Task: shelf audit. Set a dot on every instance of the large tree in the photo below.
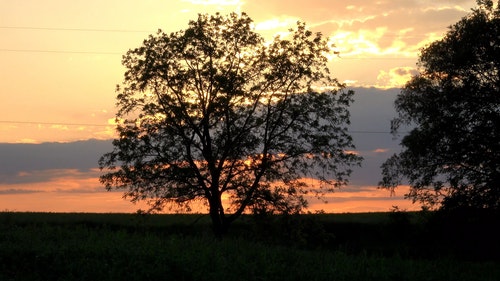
(215, 114)
(451, 156)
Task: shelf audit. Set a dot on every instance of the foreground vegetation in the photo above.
(378, 246)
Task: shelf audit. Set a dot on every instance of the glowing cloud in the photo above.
(353, 152)
(380, 150)
(276, 23)
(396, 77)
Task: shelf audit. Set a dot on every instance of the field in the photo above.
(374, 246)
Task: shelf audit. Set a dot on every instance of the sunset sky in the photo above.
(61, 60)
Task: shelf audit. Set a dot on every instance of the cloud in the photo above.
(18, 191)
(395, 77)
(372, 111)
(35, 176)
(28, 140)
(353, 152)
(98, 202)
(39, 133)
(362, 199)
(39, 162)
(276, 23)
(53, 181)
(380, 150)
(369, 35)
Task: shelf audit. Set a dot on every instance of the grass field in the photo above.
(377, 246)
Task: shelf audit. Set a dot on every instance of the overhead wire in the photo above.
(54, 123)
(117, 53)
(141, 31)
(67, 29)
(60, 52)
(73, 29)
(108, 125)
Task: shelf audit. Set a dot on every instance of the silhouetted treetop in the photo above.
(214, 114)
(451, 157)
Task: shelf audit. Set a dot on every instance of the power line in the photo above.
(116, 53)
(54, 123)
(102, 125)
(378, 58)
(74, 29)
(132, 31)
(60, 52)
(392, 34)
(368, 132)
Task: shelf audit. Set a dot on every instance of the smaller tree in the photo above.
(213, 113)
(451, 158)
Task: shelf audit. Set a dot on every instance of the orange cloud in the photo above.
(39, 133)
(97, 202)
(395, 77)
(354, 152)
(70, 190)
(380, 150)
(363, 199)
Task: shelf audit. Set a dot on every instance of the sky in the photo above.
(61, 61)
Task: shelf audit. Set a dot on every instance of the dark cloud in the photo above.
(45, 161)
(97, 188)
(18, 191)
(47, 175)
(371, 114)
(372, 110)
(81, 155)
(334, 199)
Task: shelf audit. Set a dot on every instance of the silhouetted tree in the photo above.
(451, 157)
(214, 114)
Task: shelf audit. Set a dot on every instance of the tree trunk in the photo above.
(219, 222)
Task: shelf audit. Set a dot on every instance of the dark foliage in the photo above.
(451, 156)
(214, 115)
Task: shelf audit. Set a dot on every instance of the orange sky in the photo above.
(60, 62)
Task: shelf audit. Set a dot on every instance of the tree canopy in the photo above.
(451, 157)
(214, 114)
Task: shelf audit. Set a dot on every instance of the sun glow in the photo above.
(396, 77)
(368, 43)
(276, 23)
